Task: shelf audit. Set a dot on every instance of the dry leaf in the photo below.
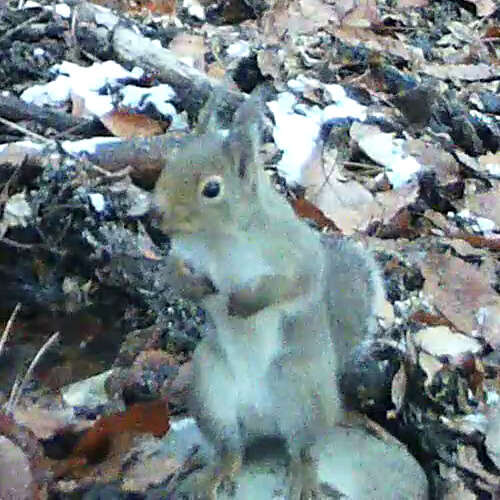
(306, 210)
(492, 32)
(461, 292)
(348, 204)
(441, 341)
(398, 388)
(430, 319)
(163, 7)
(466, 72)
(294, 17)
(378, 43)
(406, 4)
(363, 15)
(486, 204)
(190, 49)
(123, 124)
(489, 243)
(484, 8)
(435, 158)
(430, 365)
(151, 418)
(151, 470)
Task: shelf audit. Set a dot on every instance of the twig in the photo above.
(16, 244)
(16, 392)
(365, 166)
(8, 326)
(4, 194)
(185, 466)
(13, 391)
(25, 131)
(15, 29)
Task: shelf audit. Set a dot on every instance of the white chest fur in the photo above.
(250, 346)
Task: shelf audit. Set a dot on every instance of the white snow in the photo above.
(63, 10)
(99, 88)
(298, 126)
(296, 134)
(98, 202)
(239, 49)
(87, 145)
(195, 9)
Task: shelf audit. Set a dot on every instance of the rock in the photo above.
(351, 461)
(88, 393)
(441, 341)
(15, 475)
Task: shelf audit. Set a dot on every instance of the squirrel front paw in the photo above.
(189, 282)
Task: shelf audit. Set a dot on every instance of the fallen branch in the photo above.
(192, 86)
(14, 109)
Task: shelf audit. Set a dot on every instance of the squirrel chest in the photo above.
(252, 346)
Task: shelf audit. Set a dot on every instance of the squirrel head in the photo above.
(212, 182)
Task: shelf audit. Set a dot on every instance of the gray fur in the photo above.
(289, 309)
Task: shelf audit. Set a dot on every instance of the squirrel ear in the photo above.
(217, 112)
(245, 137)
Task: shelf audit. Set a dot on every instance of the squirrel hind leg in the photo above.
(202, 485)
(303, 477)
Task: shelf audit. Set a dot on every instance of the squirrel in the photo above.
(291, 307)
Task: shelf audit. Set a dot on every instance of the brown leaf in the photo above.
(165, 7)
(426, 318)
(400, 226)
(306, 210)
(46, 423)
(461, 292)
(124, 124)
(99, 452)
(490, 243)
(492, 32)
(151, 418)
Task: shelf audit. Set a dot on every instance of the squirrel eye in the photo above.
(212, 188)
